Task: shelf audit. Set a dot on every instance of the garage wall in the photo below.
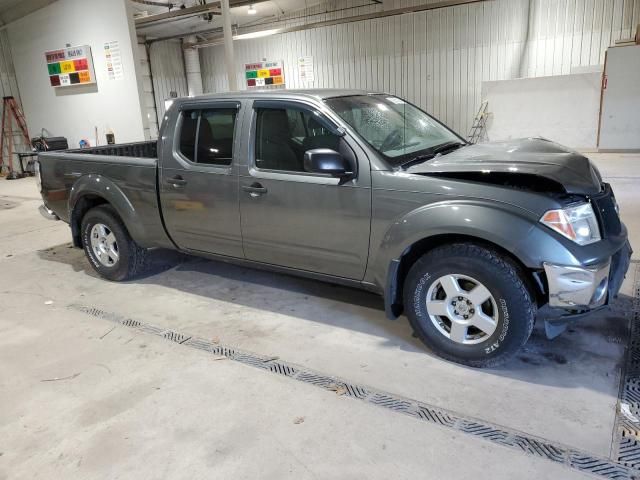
(73, 112)
(167, 68)
(148, 100)
(438, 59)
(8, 83)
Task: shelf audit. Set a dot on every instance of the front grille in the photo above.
(604, 206)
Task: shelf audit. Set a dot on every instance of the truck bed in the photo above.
(147, 149)
(124, 175)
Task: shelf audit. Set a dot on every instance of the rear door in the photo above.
(294, 218)
(199, 181)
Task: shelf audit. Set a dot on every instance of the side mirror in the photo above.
(327, 161)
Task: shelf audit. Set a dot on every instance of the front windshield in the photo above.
(396, 129)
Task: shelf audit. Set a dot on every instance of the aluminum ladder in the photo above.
(479, 124)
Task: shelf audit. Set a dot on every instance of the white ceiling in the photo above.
(11, 10)
(266, 11)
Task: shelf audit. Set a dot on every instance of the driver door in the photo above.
(297, 219)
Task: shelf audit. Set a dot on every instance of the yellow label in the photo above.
(66, 67)
(84, 76)
(263, 73)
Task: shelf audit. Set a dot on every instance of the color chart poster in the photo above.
(70, 66)
(264, 74)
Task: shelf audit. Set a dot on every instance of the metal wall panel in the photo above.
(437, 59)
(149, 103)
(167, 70)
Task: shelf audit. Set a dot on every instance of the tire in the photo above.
(117, 261)
(459, 330)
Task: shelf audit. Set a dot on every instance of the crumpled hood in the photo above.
(529, 156)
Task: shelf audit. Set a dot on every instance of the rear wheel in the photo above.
(109, 247)
(469, 304)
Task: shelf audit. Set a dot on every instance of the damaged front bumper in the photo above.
(578, 291)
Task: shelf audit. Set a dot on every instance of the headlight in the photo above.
(577, 223)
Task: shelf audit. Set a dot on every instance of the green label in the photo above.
(54, 68)
(252, 74)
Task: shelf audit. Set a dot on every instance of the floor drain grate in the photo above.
(627, 442)
(390, 401)
(200, 344)
(175, 336)
(315, 379)
(128, 322)
(436, 416)
(622, 467)
(282, 369)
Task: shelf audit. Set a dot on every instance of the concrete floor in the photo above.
(80, 399)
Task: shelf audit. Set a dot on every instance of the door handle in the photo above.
(255, 189)
(176, 181)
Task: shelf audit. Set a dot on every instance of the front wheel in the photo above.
(109, 247)
(469, 304)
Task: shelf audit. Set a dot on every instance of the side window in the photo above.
(283, 135)
(206, 136)
(188, 134)
(215, 136)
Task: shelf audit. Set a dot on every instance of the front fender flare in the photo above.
(510, 228)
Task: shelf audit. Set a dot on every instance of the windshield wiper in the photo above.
(435, 152)
(418, 159)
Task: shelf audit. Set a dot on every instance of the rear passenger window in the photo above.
(215, 136)
(188, 134)
(206, 136)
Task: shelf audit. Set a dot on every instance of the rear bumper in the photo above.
(47, 213)
(579, 289)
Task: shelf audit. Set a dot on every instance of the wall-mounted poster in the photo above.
(264, 74)
(113, 60)
(70, 66)
(305, 69)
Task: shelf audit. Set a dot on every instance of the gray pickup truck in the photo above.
(362, 189)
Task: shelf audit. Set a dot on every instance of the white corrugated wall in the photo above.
(438, 58)
(149, 102)
(167, 69)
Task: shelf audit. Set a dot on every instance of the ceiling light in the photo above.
(252, 10)
(263, 33)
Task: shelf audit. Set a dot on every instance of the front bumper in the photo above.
(578, 289)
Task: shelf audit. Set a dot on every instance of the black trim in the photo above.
(392, 306)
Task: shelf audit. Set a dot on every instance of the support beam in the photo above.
(254, 33)
(229, 57)
(177, 14)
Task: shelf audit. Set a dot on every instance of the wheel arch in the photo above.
(399, 268)
(90, 191)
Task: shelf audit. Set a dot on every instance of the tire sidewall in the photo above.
(104, 216)
(510, 333)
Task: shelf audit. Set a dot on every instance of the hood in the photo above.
(523, 161)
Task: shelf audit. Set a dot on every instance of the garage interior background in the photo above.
(445, 60)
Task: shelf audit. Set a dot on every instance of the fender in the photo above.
(98, 185)
(511, 228)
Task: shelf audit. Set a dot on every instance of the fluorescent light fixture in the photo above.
(263, 33)
(252, 10)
